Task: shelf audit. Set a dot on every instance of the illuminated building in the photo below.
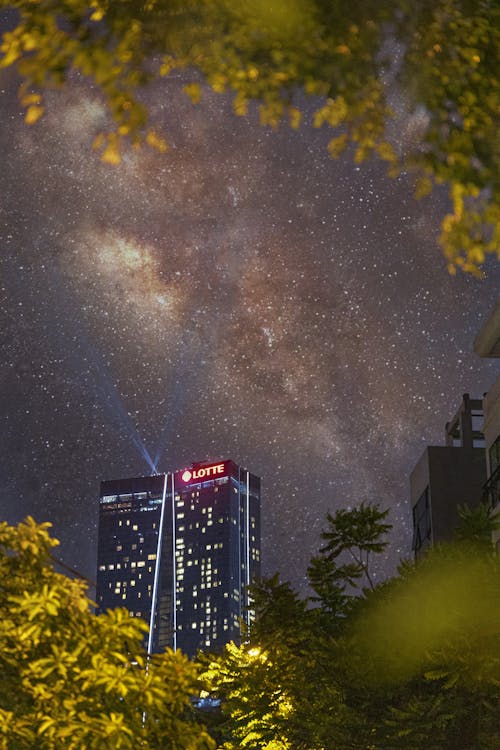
(487, 344)
(179, 550)
(448, 476)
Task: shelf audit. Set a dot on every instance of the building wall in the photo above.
(492, 415)
(487, 344)
(450, 477)
(457, 476)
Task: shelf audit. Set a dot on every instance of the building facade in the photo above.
(487, 344)
(179, 550)
(448, 476)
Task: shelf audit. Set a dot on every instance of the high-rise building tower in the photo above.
(179, 550)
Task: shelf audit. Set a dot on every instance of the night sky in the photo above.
(242, 296)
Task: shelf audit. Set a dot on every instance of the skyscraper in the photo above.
(179, 550)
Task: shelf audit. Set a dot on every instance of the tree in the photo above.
(76, 680)
(429, 642)
(285, 688)
(407, 664)
(357, 534)
(348, 62)
(476, 526)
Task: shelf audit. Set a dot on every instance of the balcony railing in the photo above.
(491, 490)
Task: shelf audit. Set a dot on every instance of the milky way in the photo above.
(240, 296)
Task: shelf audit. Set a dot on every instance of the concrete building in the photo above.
(448, 476)
(487, 344)
(179, 550)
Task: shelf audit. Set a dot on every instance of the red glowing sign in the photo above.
(205, 472)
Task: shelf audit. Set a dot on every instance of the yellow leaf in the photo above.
(33, 114)
(167, 65)
(11, 51)
(28, 99)
(111, 154)
(193, 90)
(240, 104)
(386, 152)
(295, 116)
(337, 145)
(423, 187)
(45, 724)
(98, 141)
(155, 141)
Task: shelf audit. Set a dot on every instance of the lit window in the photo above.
(151, 557)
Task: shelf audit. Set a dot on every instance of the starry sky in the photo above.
(242, 296)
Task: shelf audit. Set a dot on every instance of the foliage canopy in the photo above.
(368, 70)
(76, 680)
(409, 664)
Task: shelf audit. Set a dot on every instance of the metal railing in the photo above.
(491, 490)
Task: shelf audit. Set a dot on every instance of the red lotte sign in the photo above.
(203, 473)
